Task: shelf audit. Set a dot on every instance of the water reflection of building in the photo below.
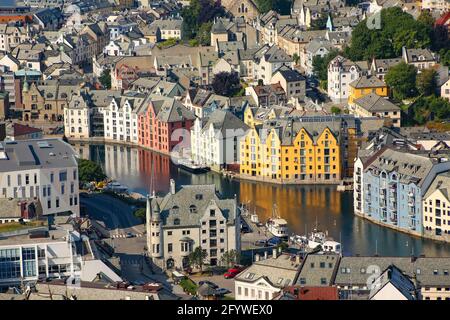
(323, 201)
(161, 170)
(121, 161)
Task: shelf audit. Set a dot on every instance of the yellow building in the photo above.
(365, 85)
(436, 208)
(285, 150)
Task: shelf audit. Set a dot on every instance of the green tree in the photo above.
(319, 23)
(426, 18)
(229, 258)
(226, 83)
(401, 79)
(296, 58)
(197, 13)
(428, 108)
(283, 7)
(197, 258)
(320, 65)
(204, 34)
(426, 81)
(445, 56)
(397, 29)
(105, 79)
(336, 110)
(89, 171)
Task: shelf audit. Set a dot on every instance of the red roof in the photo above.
(313, 293)
(20, 130)
(443, 19)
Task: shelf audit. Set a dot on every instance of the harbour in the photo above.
(302, 206)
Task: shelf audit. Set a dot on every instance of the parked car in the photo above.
(129, 235)
(261, 243)
(233, 272)
(211, 284)
(222, 291)
(274, 241)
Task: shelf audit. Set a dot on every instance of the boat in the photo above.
(319, 238)
(276, 225)
(116, 187)
(192, 167)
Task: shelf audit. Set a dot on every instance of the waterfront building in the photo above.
(341, 72)
(203, 102)
(436, 208)
(215, 141)
(164, 123)
(77, 116)
(121, 119)
(355, 276)
(365, 85)
(306, 150)
(45, 169)
(267, 276)
(390, 184)
(194, 216)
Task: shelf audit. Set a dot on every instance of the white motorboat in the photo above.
(277, 227)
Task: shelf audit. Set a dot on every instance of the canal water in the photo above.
(303, 207)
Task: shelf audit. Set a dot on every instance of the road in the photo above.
(117, 215)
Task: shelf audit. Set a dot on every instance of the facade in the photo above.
(121, 119)
(436, 206)
(420, 58)
(45, 169)
(191, 217)
(341, 72)
(390, 185)
(365, 85)
(445, 90)
(295, 151)
(242, 8)
(292, 82)
(11, 36)
(77, 118)
(268, 60)
(215, 141)
(374, 105)
(267, 276)
(164, 123)
(267, 95)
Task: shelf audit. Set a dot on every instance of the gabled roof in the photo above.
(374, 103)
(367, 82)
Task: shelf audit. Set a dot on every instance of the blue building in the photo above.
(390, 185)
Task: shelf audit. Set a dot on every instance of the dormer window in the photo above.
(175, 209)
(193, 209)
(198, 197)
(176, 222)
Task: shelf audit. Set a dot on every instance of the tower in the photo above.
(156, 230)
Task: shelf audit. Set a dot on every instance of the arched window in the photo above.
(176, 222)
(193, 209)
(242, 8)
(175, 209)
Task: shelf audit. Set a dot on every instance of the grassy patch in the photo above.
(13, 226)
(228, 298)
(189, 286)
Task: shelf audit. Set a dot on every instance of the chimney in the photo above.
(256, 257)
(274, 253)
(297, 259)
(172, 186)
(265, 255)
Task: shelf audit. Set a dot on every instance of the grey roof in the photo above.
(412, 168)
(374, 103)
(279, 272)
(290, 75)
(429, 271)
(223, 121)
(418, 55)
(367, 82)
(36, 154)
(178, 206)
(218, 27)
(276, 54)
(171, 110)
(442, 183)
(394, 276)
(317, 267)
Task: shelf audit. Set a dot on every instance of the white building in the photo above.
(268, 60)
(392, 284)
(192, 217)
(50, 254)
(267, 276)
(46, 169)
(120, 117)
(215, 141)
(77, 121)
(341, 72)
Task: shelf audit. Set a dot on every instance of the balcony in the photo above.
(411, 203)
